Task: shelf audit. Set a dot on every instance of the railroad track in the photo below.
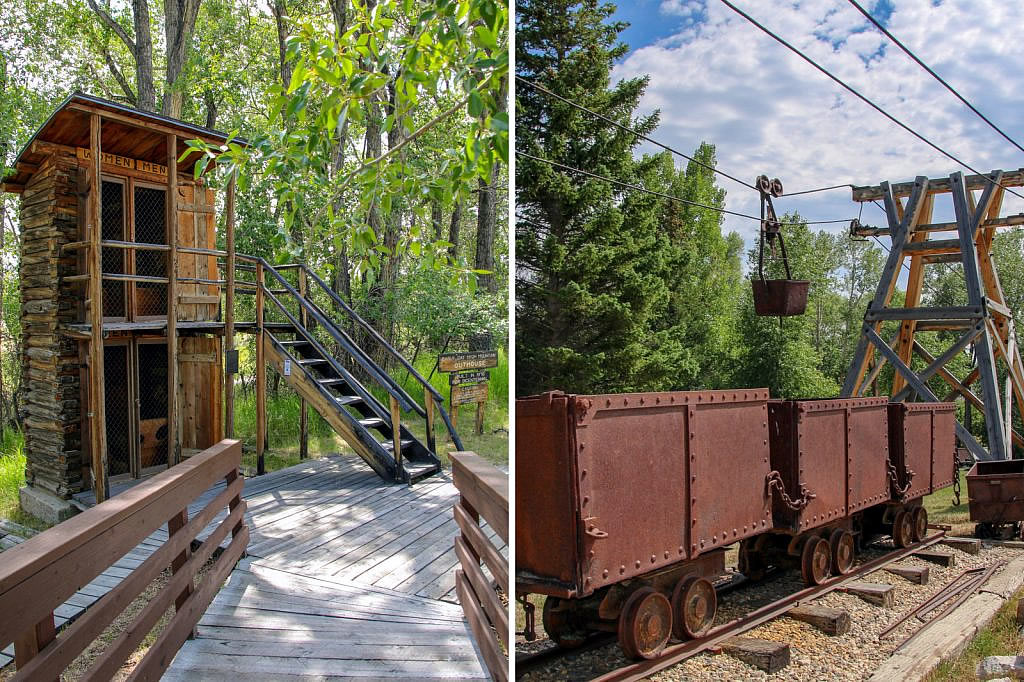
(677, 653)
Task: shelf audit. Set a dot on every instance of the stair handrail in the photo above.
(359, 389)
(366, 359)
(403, 400)
(438, 398)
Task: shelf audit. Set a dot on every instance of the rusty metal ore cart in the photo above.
(626, 501)
(996, 491)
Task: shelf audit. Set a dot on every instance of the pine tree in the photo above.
(591, 263)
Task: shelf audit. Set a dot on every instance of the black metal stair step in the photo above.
(390, 445)
(417, 469)
(328, 382)
(312, 361)
(372, 422)
(294, 342)
(348, 400)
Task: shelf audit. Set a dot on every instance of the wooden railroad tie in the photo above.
(879, 594)
(828, 620)
(915, 574)
(947, 559)
(767, 655)
(969, 545)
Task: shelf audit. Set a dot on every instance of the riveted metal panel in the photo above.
(867, 453)
(808, 448)
(943, 444)
(609, 487)
(996, 491)
(729, 460)
(547, 542)
(910, 448)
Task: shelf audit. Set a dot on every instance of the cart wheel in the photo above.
(694, 604)
(560, 623)
(645, 623)
(815, 560)
(920, 524)
(844, 551)
(903, 528)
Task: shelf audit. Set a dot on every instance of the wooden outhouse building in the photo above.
(122, 367)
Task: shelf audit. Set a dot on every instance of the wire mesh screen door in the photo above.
(151, 379)
(150, 222)
(113, 199)
(119, 417)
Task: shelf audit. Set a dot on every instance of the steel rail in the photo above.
(680, 652)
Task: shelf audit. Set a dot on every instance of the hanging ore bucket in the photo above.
(775, 297)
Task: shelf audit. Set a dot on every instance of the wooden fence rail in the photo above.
(38, 575)
(483, 492)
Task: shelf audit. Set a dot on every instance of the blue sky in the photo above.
(718, 79)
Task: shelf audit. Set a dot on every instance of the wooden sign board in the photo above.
(456, 362)
(469, 393)
(474, 377)
(123, 162)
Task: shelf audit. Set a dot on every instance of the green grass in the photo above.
(283, 420)
(942, 510)
(999, 638)
(12, 478)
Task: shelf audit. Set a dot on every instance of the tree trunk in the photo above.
(179, 23)
(342, 266)
(143, 53)
(435, 218)
(486, 220)
(211, 109)
(280, 17)
(453, 230)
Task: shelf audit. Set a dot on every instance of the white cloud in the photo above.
(767, 111)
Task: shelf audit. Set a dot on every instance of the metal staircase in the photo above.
(319, 359)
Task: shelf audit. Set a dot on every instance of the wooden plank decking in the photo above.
(347, 576)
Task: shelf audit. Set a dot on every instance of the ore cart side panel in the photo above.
(632, 481)
(822, 460)
(996, 491)
(910, 447)
(943, 445)
(785, 458)
(729, 459)
(547, 551)
(868, 453)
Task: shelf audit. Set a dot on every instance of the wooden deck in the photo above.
(347, 577)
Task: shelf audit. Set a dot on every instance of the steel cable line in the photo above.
(862, 97)
(541, 88)
(934, 75)
(641, 188)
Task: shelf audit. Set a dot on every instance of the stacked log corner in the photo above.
(51, 410)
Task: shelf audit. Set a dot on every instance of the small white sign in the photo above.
(287, 367)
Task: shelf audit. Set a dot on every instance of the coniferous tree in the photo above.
(590, 260)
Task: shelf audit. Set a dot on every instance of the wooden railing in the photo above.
(483, 492)
(40, 574)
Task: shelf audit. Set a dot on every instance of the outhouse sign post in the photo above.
(468, 377)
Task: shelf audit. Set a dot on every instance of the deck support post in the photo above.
(261, 376)
(173, 421)
(229, 309)
(396, 437)
(97, 393)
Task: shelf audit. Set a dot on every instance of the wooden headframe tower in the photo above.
(984, 323)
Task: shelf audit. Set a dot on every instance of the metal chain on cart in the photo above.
(774, 481)
(894, 481)
(956, 478)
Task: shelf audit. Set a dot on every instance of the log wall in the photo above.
(50, 363)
